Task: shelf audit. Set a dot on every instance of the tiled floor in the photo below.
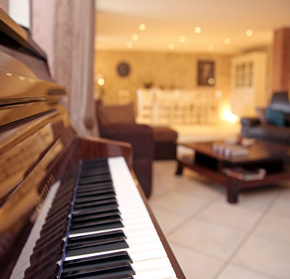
(214, 239)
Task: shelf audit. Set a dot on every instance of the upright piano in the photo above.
(70, 207)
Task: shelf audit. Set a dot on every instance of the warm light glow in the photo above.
(9, 74)
(197, 29)
(182, 39)
(101, 81)
(210, 47)
(227, 41)
(249, 32)
(228, 116)
(218, 94)
(142, 27)
(135, 37)
(171, 46)
(129, 45)
(22, 78)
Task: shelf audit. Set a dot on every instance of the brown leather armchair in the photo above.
(116, 125)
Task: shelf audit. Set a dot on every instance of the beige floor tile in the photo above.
(164, 178)
(266, 256)
(232, 215)
(208, 237)
(195, 265)
(276, 226)
(167, 220)
(179, 203)
(235, 272)
(258, 199)
(282, 204)
(196, 185)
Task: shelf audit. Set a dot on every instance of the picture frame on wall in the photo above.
(205, 73)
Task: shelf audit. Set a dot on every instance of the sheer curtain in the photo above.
(65, 30)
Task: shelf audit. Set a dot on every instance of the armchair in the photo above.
(272, 123)
(118, 123)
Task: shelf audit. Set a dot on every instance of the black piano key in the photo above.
(112, 224)
(104, 247)
(95, 222)
(94, 172)
(105, 272)
(97, 237)
(96, 261)
(82, 189)
(94, 203)
(97, 184)
(94, 198)
(101, 162)
(79, 240)
(98, 209)
(94, 215)
(96, 243)
(90, 192)
(94, 179)
(123, 276)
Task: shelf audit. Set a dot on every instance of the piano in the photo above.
(70, 207)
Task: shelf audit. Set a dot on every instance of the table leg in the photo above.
(179, 169)
(232, 192)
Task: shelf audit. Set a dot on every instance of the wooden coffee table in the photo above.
(262, 154)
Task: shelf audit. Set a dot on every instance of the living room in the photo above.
(247, 237)
(210, 237)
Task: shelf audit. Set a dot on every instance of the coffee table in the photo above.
(262, 154)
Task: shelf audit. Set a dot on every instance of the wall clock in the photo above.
(123, 69)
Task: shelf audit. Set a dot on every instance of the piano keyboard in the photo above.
(110, 233)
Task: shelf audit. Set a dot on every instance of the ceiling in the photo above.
(167, 20)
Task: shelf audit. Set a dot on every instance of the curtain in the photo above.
(65, 30)
(4, 4)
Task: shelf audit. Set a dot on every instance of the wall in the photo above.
(281, 60)
(166, 70)
(19, 10)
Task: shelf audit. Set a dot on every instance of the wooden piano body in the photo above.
(38, 146)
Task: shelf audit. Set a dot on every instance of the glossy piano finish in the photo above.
(39, 149)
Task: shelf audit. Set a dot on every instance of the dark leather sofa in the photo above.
(122, 127)
(263, 128)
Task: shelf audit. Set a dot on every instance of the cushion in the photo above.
(262, 115)
(123, 114)
(280, 101)
(163, 134)
(275, 117)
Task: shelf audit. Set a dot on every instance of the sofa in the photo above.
(272, 123)
(118, 123)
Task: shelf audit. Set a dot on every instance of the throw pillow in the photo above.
(275, 117)
(123, 114)
(262, 115)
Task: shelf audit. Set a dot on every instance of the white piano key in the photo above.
(162, 273)
(151, 264)
(23, 261)
(149, 258)
(137, 253)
